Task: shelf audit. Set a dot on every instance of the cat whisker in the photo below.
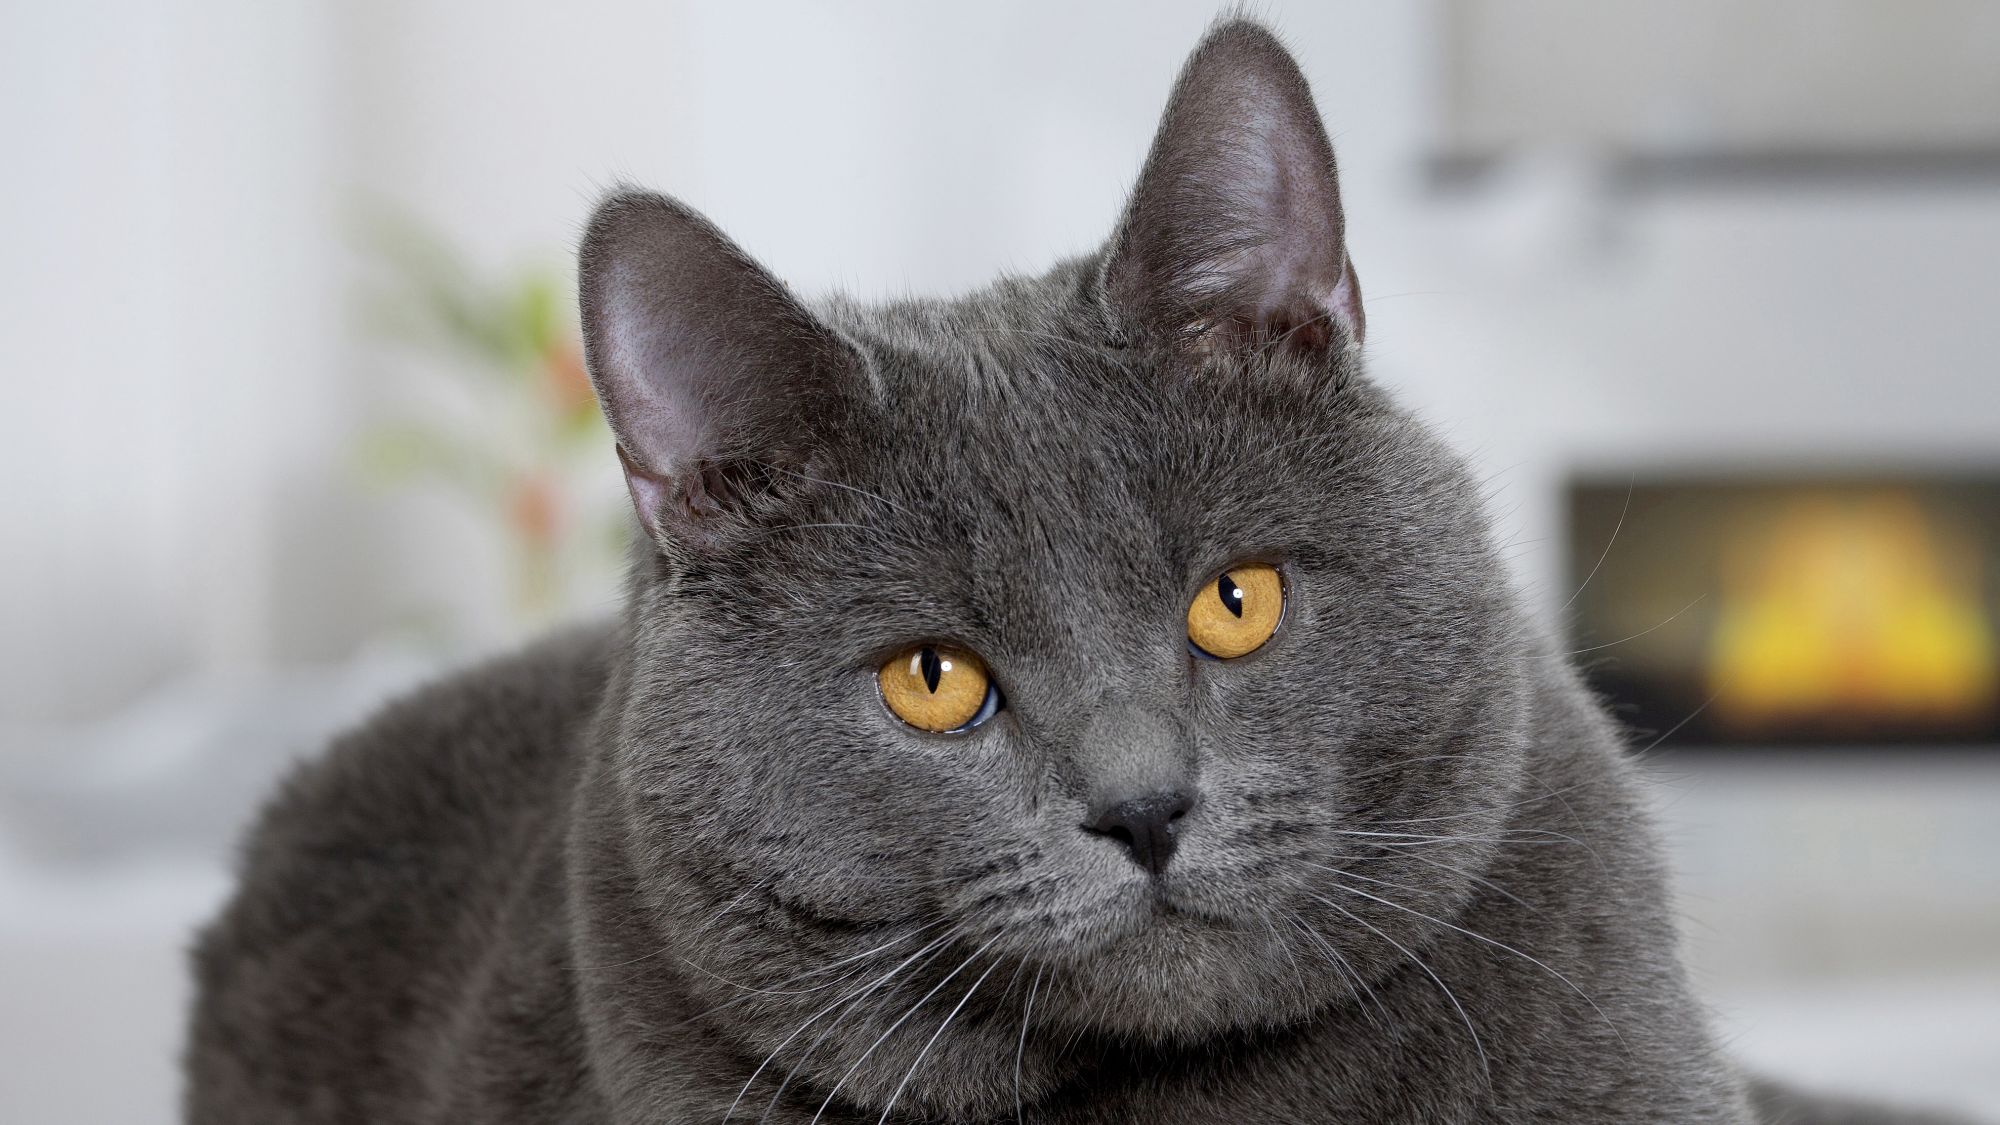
(1364, 878)
(891, 1029)
(1468, 814)
(1479, 880)
(849, 1006)
(815, 1017)
(1538, 963)
(1675, 729)
(932, 1042)
(1635, 636)
(1487, 810)
(1282, 944)
(1477, 1046)
(891, 943)
(1340, 964)
(1623, 511)
(1409, 843)
(1547, 794)
(734, 903)
(1021, 1047)
(844, 978)
(1418, 839)
(750, 992)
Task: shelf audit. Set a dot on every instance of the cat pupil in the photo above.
(1231, 593)
(931, 667)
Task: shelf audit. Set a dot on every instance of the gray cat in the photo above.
(1088, 700)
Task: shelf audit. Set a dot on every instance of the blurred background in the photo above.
(296, 417)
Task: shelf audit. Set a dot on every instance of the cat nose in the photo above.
(1147, 826)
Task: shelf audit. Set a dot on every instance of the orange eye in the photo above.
(1235, 614)
(937, 688)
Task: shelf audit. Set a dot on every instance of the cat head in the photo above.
(1054, 641)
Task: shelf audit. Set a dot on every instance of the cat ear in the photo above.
(1234, 236)
(709, 371)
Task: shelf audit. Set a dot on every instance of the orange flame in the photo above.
(1855, 609)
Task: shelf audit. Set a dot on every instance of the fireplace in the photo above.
(1801, 609)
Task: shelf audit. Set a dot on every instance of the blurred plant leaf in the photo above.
(432, 296)
(539, 315)
(399, 453)
(514, 336)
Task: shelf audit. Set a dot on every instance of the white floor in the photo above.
(1933, 1042)
(95, 984)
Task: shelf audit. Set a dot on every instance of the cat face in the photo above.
(1050, 482)
(1056, 516)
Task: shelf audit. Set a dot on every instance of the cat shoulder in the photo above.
(370, 885)
(440, 782)
(477, 742)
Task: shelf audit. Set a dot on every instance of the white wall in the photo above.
(187, 362)
(170, 327)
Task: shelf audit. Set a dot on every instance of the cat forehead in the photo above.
(1011, 414)
(1023, 381)
(994, 384)
(1013, 336)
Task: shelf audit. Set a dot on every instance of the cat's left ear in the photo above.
(1234, 237)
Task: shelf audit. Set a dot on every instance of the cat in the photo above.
(1089, 700)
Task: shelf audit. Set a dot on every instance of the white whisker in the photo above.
(891, 1030)
(1478, 880)
(851, 1005)
(1477, 1046)
(1635, 636)
(1340, 963)
(1021, 1048)
(815, 1017)
(932, 1042)
(1497, 945)
(1615, 529)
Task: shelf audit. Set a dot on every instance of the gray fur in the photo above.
(649, 873)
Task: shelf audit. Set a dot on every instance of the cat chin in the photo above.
(1177, 987)
(1172, 974)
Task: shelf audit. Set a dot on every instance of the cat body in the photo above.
(691, 868)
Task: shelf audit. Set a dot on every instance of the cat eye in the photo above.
(938, 688)
(1235, 614)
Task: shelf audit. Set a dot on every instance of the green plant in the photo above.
(512, 344)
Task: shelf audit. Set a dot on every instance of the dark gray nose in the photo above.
(1147, 826)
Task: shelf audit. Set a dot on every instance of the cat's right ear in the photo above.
(1235, 237)
(710, 372)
